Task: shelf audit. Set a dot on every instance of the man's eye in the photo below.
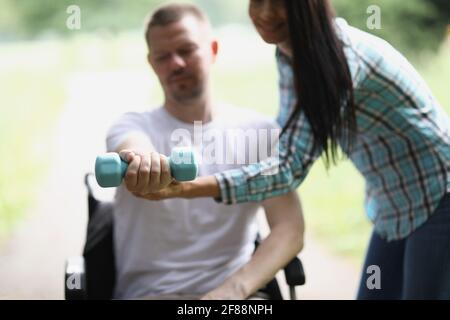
(162, 58)
(186, 52)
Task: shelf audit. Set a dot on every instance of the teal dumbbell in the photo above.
(110, 168)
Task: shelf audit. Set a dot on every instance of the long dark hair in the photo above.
(322, 78)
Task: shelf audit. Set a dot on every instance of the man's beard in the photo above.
(187, 95)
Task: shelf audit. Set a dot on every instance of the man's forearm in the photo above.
(274, 253)
(285, 218)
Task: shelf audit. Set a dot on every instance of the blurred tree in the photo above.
(444, 8)
(9, 20)
(222, 12)
(31, 17)
(412, 26)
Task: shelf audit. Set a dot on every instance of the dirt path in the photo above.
(32, 261)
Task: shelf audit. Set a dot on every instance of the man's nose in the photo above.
(177, 62)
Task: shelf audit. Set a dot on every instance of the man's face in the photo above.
(181, 55)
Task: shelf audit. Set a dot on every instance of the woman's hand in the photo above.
(173, 190)
(146, 173)
(206, 186)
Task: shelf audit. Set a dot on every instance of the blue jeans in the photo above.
(417, 267)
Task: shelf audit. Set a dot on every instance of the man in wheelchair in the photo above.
(189, 249)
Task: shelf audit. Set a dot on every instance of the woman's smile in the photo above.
(271, 29)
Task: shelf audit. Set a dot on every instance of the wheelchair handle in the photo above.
(110, 169)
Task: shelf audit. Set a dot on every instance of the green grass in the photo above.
(31, 94)
(333, 207)
(436, 72)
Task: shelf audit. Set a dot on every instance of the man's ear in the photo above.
(215, 48)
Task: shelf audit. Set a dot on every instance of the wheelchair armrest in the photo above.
(294, 273)
(75, 279)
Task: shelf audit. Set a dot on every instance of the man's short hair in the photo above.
(171, 13)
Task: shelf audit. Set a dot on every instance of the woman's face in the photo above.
(270, 20)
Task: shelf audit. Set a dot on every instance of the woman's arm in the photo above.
(202, 187)
(285, 241)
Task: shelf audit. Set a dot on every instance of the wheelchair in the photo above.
(92, 275)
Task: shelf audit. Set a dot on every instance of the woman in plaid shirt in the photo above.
(340, 86)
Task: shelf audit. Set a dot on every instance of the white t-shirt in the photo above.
(180, 246)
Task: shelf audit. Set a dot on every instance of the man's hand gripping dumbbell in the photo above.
(146, 175)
